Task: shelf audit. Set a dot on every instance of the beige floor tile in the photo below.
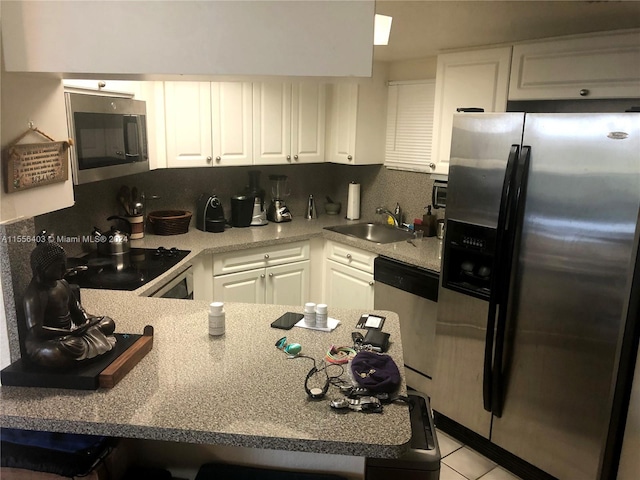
(446, 443)
(499, 473)
(469, 463)
(448, 473)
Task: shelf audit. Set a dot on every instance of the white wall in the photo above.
(311, 37)
(38, 99)
(4, 337)
(420, 69)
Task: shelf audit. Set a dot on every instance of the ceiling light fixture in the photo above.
(381, 29)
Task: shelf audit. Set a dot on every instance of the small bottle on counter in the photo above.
(216, 319)
(321, 315)
(310, 314)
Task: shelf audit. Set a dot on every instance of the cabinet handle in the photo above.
(288, 158)
(349, 256)
(262, 276)
(101, 85)
(295, 157)
(349, 157)
(209, 159)
(266, 255)
(271, 274)
(371, 283)
(218, 159)
(584, 92)
(432, 165)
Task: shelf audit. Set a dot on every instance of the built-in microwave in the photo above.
(109, 135)
(439, 194)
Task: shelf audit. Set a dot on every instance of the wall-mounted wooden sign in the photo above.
(35, 164)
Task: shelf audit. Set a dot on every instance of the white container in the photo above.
(216, 319)
(310, 314)
(321, 315)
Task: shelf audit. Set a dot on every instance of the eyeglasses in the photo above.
(288, 348)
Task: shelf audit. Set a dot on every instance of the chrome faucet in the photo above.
(393, 216)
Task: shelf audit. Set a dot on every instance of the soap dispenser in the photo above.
(429, 223)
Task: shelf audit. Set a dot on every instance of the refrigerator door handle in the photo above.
(514, 227)
(496, 278)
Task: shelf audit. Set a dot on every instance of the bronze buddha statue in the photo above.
(60, 333)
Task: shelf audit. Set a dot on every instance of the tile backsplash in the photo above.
(180, 189)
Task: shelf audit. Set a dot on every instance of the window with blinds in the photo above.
(410, 125)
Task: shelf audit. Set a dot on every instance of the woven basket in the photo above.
(170, 222)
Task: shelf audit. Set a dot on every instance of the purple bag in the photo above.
(375, 371)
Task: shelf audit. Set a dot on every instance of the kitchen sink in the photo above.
(373, 232)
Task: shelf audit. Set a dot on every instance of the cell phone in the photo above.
(287, 321)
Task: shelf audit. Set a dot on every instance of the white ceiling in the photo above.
(426, 27)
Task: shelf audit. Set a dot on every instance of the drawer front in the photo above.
(242, 260)
(346, 255)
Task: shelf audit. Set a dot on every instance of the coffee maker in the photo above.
(259, 216)
(209, 214)
(278, 211)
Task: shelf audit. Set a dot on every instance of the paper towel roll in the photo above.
(353, 202)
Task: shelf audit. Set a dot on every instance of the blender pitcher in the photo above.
(278, 211)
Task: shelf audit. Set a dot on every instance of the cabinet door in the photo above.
(598, 66)
(271, 123)
(347, 287)
(467, 79)
(288, 284)
(244, 287)
(344, 111)
(188, 124)
(308, 107)
(231, 106)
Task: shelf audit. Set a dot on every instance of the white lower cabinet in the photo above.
(348, 274)
(274, 275)
(282, 285)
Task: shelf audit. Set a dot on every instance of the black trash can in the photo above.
(422, 461)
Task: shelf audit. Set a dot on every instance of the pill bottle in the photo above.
(321, 315)
(310, 314)
(216, 319)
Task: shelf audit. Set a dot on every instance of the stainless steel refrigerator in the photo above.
(540, 247)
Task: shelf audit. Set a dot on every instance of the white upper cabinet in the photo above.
(231, 122)
(410, 126)
(475, 79)
(357, 120)
(288, 123)
(188, 124)
(208, 123)
(308, 122)
(597, 66)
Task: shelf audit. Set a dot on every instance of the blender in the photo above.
(259, 216)
(278, 211)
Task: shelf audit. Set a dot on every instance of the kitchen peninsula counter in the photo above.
(237, 389)
(425, 253)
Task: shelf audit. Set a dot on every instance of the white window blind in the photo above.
(410, 125)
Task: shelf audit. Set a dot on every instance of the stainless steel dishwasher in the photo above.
(412, 293)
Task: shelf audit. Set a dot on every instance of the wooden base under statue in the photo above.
(104, 371)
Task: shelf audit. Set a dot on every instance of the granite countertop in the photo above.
(237, 389)
(424, 253)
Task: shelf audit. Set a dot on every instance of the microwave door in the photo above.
(131, 130)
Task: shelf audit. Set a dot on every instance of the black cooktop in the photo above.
(123, 272)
